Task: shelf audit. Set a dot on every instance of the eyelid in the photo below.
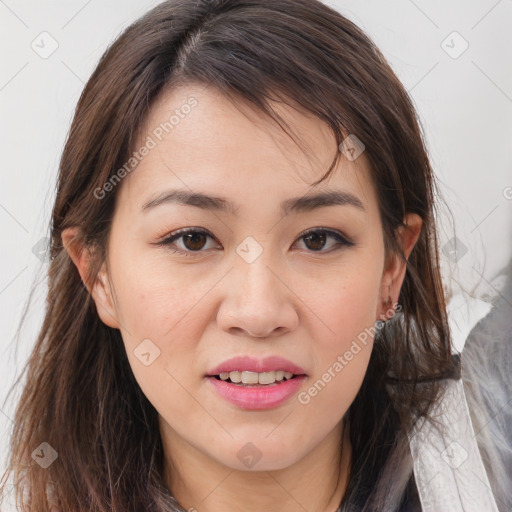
(175, 235)
(343, 241)
(330, 231)
(183, 231)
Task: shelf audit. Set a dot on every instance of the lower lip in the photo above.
(257, 398)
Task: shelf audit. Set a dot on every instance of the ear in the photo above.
(395, 268)
(99, 289)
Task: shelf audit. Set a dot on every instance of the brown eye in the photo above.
(192, 240)
(315, 240)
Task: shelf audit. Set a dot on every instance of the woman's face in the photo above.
(246, 282)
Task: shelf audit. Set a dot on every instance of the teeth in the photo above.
(266, 377)
(235, 376)
(246, 377)
(250, 377)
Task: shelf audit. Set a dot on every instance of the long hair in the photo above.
(81, 397)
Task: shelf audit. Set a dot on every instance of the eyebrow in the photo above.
(294, 205)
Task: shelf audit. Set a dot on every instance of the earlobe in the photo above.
(99, 289)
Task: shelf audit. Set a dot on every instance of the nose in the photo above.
(258, 300)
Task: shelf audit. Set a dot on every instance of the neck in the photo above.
(316, 483)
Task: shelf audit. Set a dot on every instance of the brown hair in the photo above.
(82, 397)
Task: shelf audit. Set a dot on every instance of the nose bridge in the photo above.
(253, 270)
(255, 300)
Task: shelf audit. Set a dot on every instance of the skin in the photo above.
(303, 304)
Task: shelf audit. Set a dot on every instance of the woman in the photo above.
(243, 197)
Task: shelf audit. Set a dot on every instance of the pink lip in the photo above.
(257, 398)
(249, 364)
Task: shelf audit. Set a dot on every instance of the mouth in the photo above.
(256, 384)
(250, 379)
(256, 390)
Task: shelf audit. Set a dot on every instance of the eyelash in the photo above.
(342, 241)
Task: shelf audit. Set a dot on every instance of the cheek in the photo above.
(346, 317)
(345, 306)
(154, 299)
(162, 328)
(161, 315)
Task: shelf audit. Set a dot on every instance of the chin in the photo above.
(257, 455)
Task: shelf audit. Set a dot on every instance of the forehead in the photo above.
(201, 140)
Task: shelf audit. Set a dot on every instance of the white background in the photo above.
(465, 104)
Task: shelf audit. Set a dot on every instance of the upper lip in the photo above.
(251, 364)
